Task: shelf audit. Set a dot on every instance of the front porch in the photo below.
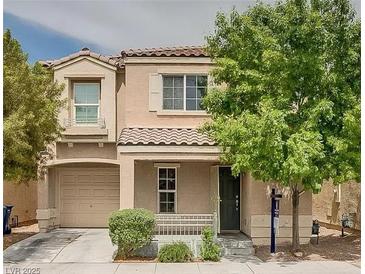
(188, 228)
(203, 194)
(185, 196)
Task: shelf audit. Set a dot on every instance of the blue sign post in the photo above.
(273, 204)
(274, 217)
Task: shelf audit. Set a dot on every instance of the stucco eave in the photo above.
(81, 160)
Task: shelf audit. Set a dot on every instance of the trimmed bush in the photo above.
(209, 250)
(177, 252)
(131, 229)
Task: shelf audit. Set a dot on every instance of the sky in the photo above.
(52, 29)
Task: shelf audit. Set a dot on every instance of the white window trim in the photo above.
(166, 191)
(76, 105)
(184, 93)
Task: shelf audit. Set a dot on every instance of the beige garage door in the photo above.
(88, 196)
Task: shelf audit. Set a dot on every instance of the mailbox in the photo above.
(346, 222)
(315, 229)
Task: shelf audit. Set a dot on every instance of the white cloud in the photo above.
(115, 25)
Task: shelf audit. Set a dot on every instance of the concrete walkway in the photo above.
(90, 251)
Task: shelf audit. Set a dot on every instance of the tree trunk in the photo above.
(295, 217)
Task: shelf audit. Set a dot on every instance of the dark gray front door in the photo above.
(229, 192)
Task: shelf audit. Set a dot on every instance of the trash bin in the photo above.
(6, 216)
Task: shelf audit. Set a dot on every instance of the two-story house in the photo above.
(130, 140)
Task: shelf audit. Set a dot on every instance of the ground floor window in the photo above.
(167, 190)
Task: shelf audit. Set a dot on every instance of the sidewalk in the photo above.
(310, 267)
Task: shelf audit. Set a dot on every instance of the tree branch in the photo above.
(301, 192)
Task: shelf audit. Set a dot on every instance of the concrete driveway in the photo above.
(63, 246)
(89, 251)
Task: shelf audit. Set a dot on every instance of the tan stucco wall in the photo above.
(24, 199)
(86, 67)
(261, 201)
(52, 178)
(80, 150)
(192, 187)
(256, 210)
(121, 90)
(246, 204)
(135, 100)
(328, 210)
(125, 94)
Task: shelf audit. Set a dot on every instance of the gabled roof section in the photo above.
(85, 52)
(186, 51)
(164, 136)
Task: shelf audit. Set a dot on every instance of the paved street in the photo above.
(89, 251)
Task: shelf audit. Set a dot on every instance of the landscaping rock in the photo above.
(298, 254)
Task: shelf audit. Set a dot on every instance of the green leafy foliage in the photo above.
(31, 104)
(177, 252)
(209, 250)
(131, 229)
(287, 105)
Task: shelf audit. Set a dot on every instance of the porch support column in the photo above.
(214, 195)
(43, 211)
(126, 182)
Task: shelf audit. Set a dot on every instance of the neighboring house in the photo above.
(131, 141)
(334, 202)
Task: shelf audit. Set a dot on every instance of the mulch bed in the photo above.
(331, 247)
(135, 259)
(27, 223)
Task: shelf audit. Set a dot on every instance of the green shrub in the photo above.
(131, 229)
(177, 252)
(209, 250)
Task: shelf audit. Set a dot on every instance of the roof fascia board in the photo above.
(168, 60)
(168, 149)
(84, 75)
(89, 58)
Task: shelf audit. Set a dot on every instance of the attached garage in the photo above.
(87, 196)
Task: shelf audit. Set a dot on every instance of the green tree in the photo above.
(287, 105)
(31, 105)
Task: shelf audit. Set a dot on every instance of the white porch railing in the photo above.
(184, 224)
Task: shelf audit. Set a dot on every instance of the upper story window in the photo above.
(183, 92)
(87, 102)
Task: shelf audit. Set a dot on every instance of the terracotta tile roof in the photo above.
(163, 136)
(118, 60)
(187, 51)
(108, 59)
